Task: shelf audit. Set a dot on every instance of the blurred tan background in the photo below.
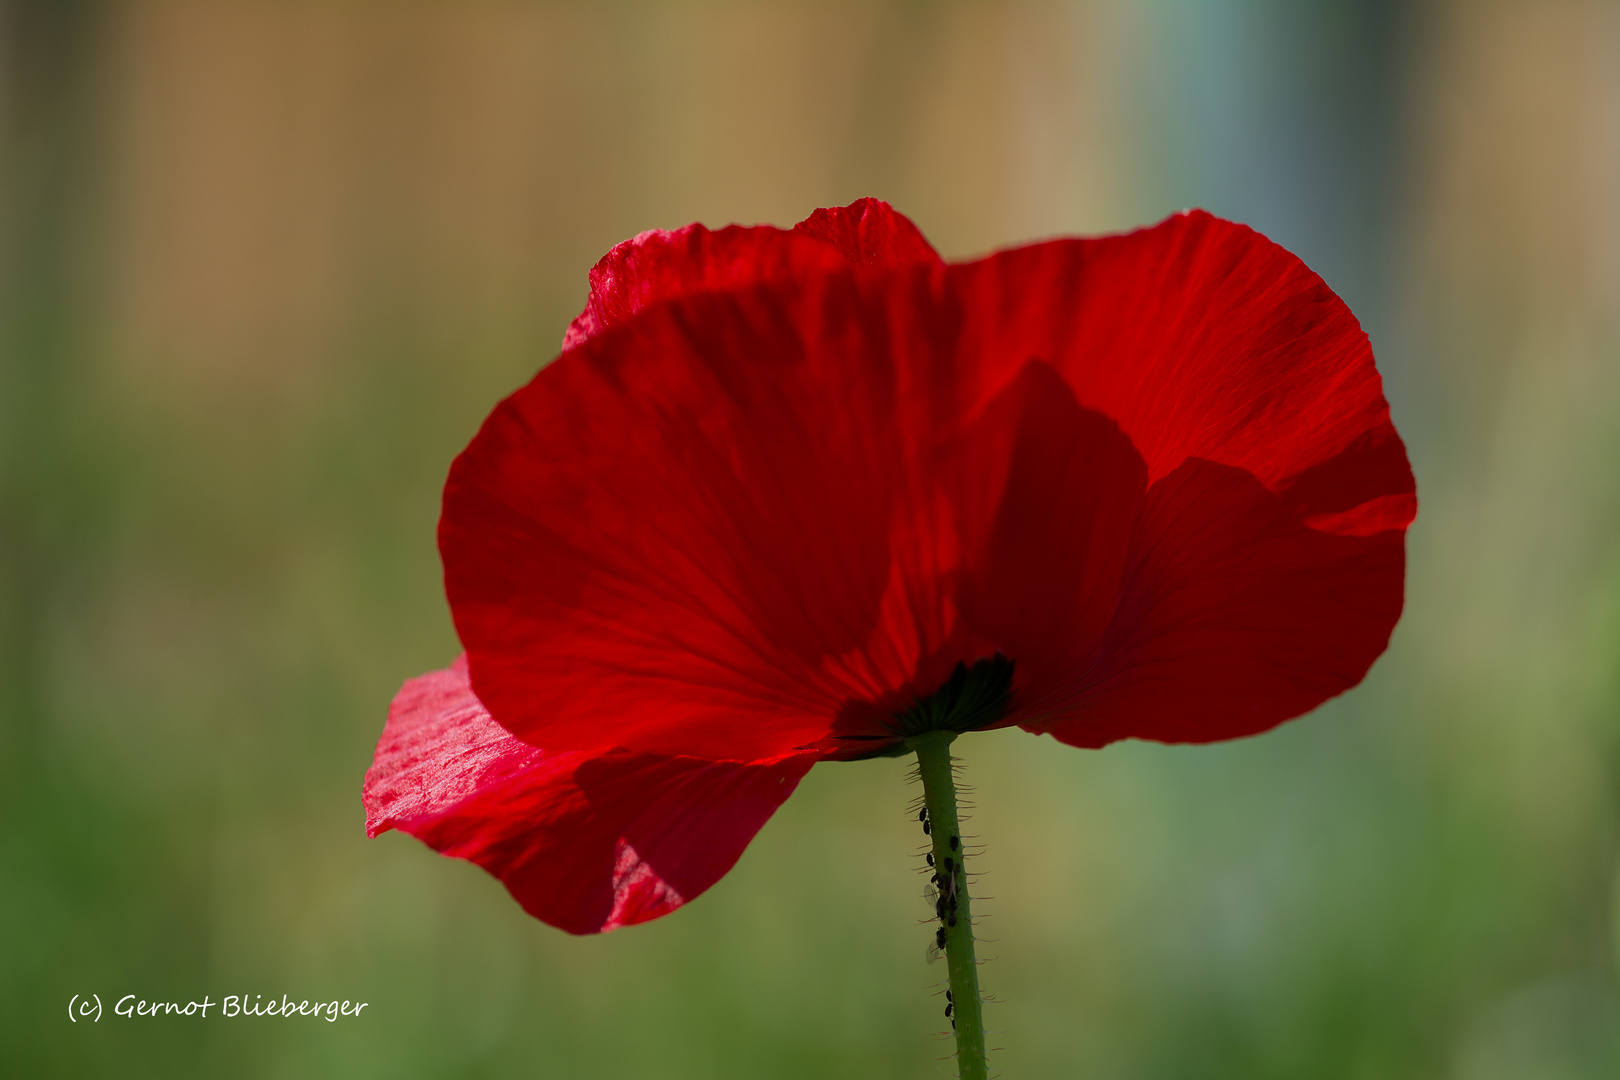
(266, 265)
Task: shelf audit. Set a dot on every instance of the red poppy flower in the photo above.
(790, 496)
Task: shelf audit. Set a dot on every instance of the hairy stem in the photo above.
(939, 795)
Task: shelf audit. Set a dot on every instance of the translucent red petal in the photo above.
(662, 265)
(1156, 469)
(586, 842)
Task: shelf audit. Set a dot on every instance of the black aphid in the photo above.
(950, 920)
(948, 995)
(955, 843)
(950, 866)
(947, 1010)
(939, 937)
(930, 858)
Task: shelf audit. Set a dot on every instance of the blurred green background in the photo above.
(266, 265)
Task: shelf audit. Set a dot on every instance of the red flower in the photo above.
(781, 485)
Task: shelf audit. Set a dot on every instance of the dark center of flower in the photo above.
(972, 698)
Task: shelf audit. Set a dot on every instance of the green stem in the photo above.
(939, 795)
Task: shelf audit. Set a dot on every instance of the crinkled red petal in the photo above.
(584, 841)
(662, 265)
(1156, 470)
(869, 233)
(1267, 563)
(1235, 616)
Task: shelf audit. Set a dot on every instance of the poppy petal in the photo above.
(1267, 566)
(1202, 339)
(746, 523)
(585, 842)
(663, 264)
(742, 523)
(1235, 616)
(869, 233)
(668, 538)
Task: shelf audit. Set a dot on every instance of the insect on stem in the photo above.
(964, 1008)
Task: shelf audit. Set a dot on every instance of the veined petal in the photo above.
(739, 523)
(1235, 616)
(662, 264)
(585, 842)
(682, 525)
(869, 233)
(1202, 339)
(1267, 564)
